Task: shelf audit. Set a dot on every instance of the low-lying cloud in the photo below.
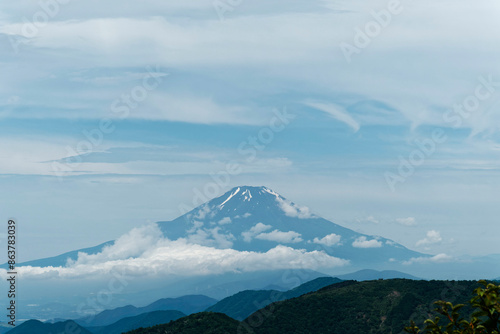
(279, 236)
(363, 242)
(293, 210)
(254, 231)
(409, 221)
(432, 237)
(439, 258)
(329, 240)
(143, 252)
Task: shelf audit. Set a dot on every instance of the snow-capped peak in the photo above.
(269, 191)
(248, 195)
(230, 196)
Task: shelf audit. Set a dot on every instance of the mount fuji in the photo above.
(257, 219)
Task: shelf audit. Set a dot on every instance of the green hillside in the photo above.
(382, 306)
(243, 304)
(200, 323)
(142, 320)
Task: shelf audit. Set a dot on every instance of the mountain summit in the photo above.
(258, 219)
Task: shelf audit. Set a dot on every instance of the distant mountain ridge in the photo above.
(222, 286)
(38, 327)
(349, 307)
(185, 304)
(369, 274)
(244, 303)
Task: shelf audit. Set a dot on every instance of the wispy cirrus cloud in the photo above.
(337, 112)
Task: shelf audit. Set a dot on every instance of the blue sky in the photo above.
(171, 93)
